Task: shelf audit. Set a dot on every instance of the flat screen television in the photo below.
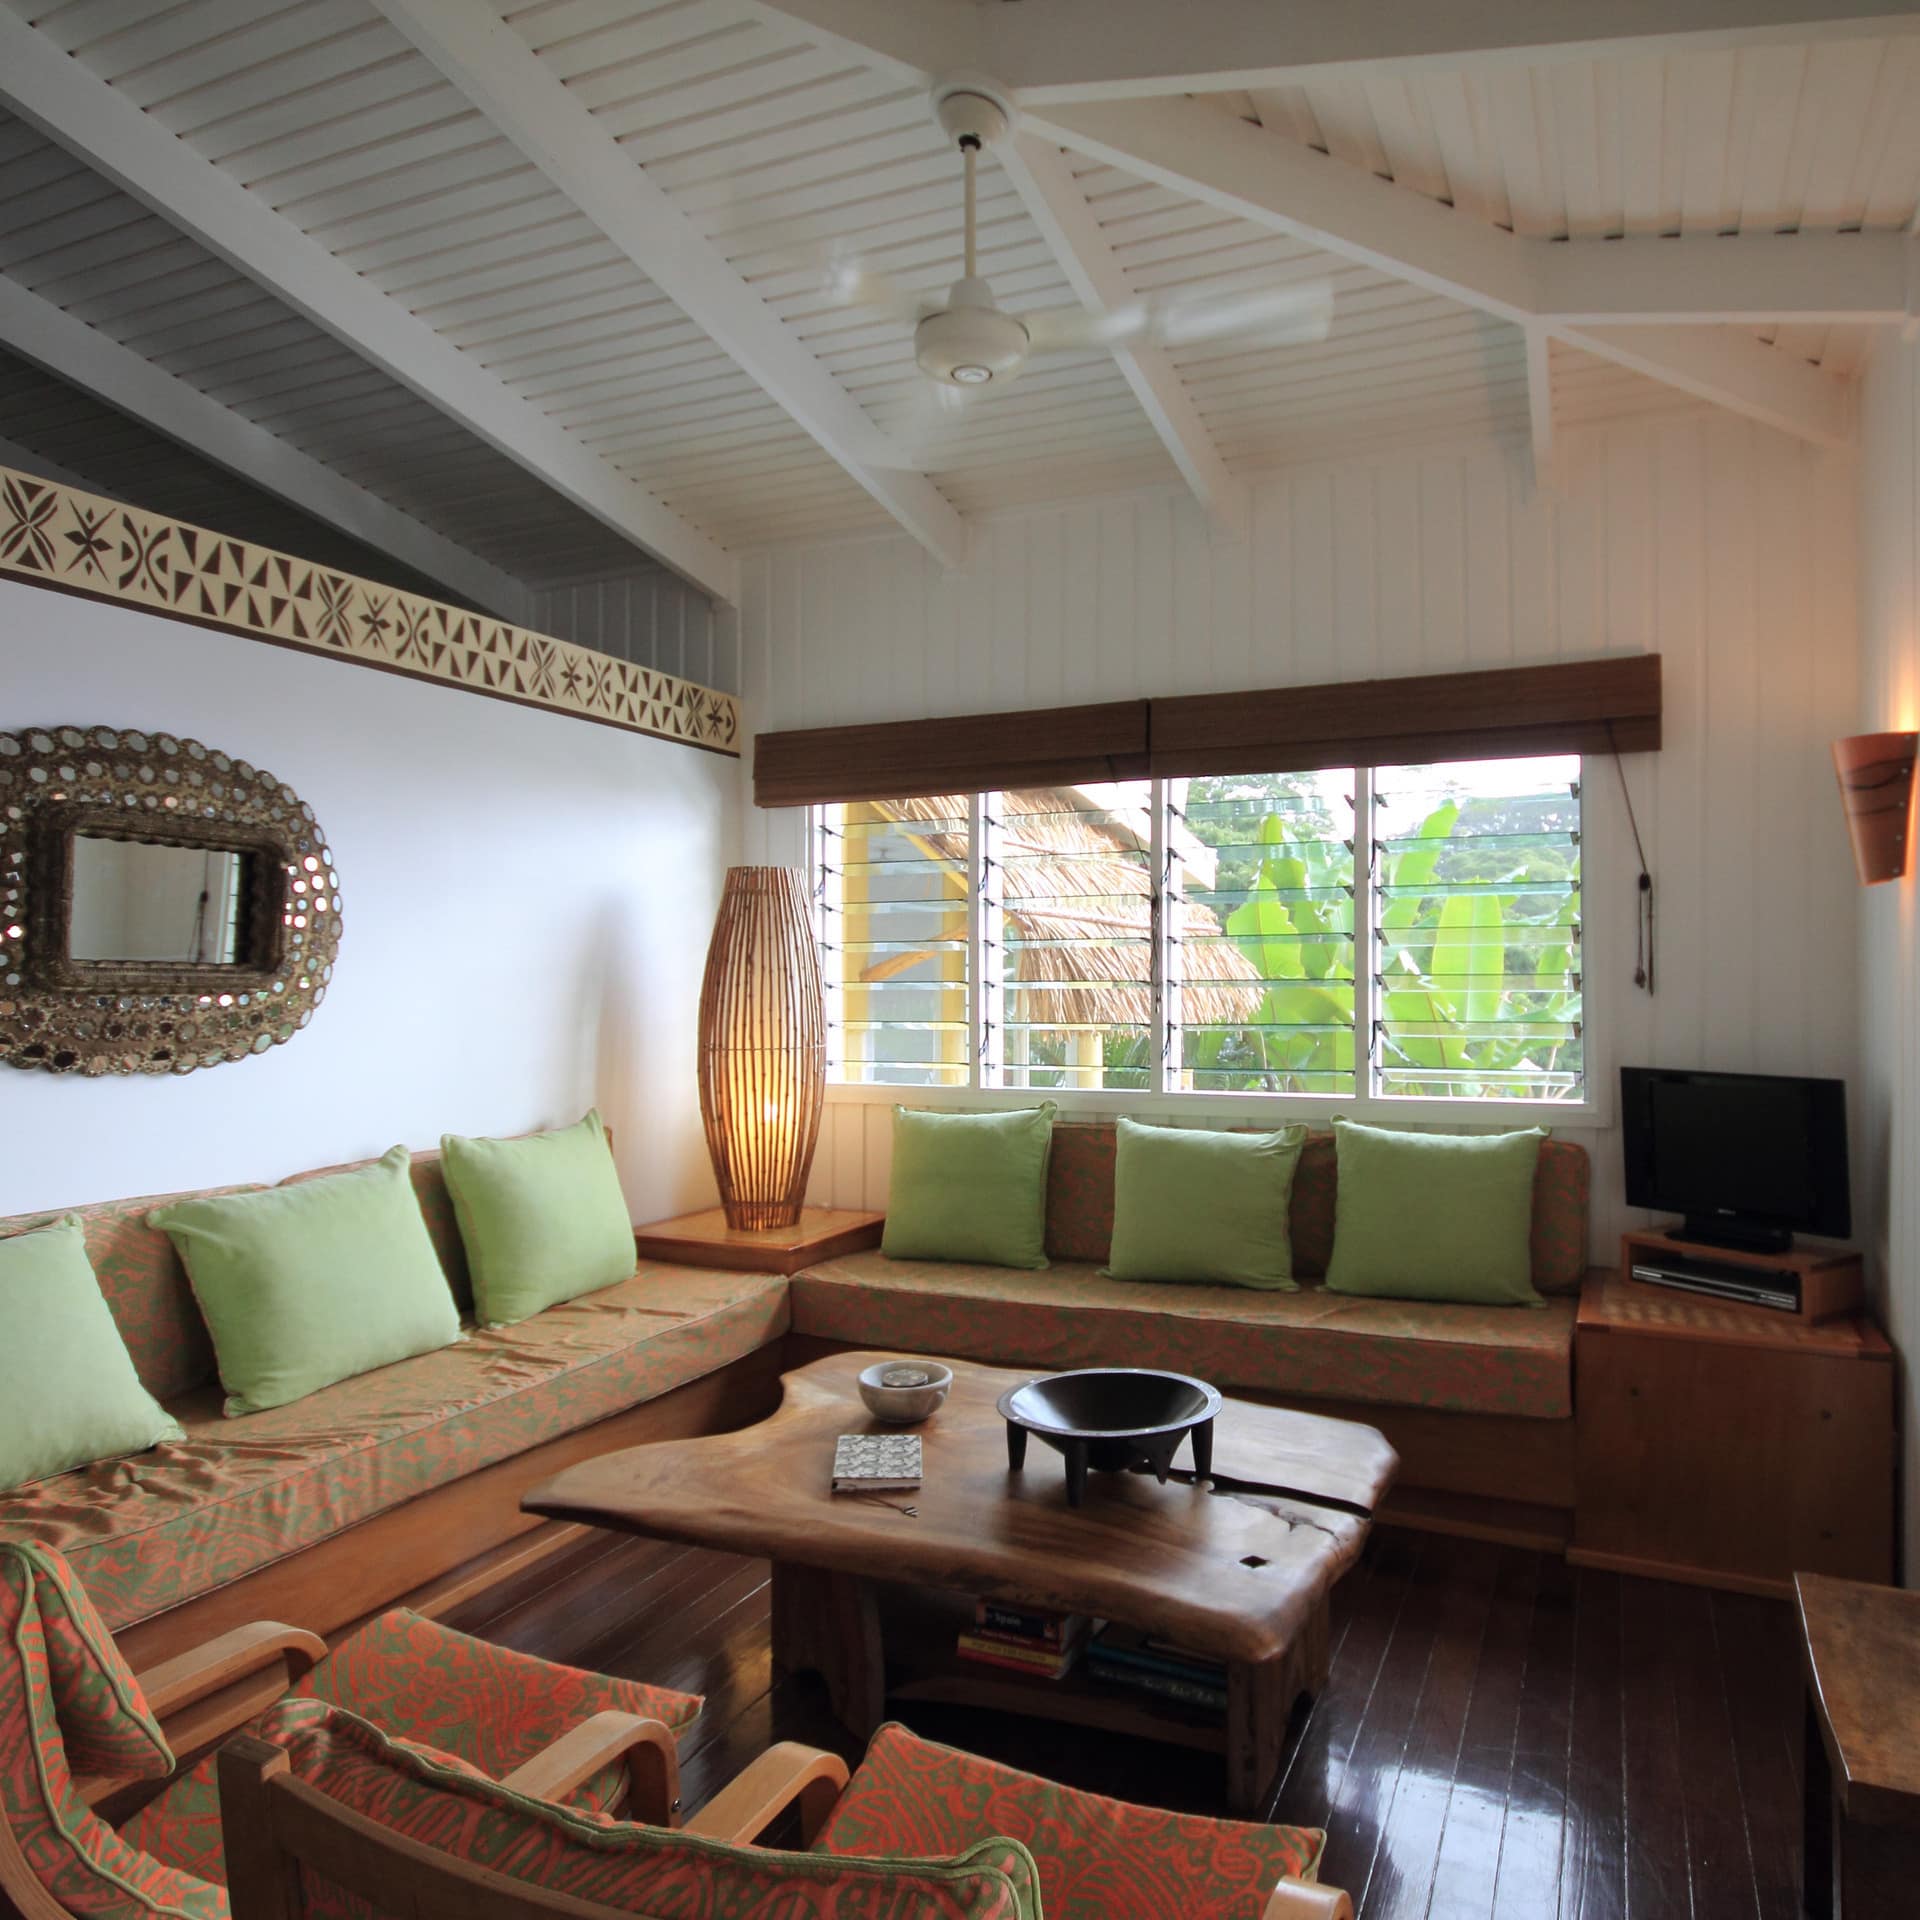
(1749, 1159)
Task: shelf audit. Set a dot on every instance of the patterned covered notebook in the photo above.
(876, 1462)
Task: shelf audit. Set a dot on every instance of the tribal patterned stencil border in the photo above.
(55, 536)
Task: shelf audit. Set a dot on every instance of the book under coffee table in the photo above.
(1238, 1568)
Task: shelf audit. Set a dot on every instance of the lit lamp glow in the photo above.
(763, 1047)
(1876, 783)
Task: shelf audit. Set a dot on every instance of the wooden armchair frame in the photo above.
(276, 1824)
(204, 1694)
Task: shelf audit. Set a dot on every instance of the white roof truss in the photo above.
(1045, 184)
(87, 358)
(1059, 52)
(101, 125)
(524, 100)
(1220, 159)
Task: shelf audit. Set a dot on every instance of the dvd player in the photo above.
(1723, 1280)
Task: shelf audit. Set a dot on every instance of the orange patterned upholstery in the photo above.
(67, 1699)
(1080, 1205)
(1309, 1345)
(482, 1704)
(150, 1532)
(439, 1801)
(1098, 1859)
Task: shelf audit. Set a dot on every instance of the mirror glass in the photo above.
(141, 900)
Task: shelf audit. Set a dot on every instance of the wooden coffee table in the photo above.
(867, 1595)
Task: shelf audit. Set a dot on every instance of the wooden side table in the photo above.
(705, 1240)
(1729, 1445)
(1861, 1648)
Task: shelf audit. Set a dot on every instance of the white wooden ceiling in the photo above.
(783, 147)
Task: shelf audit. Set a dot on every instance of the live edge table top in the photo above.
(1232, 1570)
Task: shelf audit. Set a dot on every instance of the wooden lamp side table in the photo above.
(1860, 1646)
(704, 1239)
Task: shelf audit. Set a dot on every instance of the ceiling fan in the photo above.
(967, 343)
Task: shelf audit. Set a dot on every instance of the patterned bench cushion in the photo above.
(1312, 1344)
(147, 1533)
(1080, 1205)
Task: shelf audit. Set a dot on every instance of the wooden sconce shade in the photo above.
(1876, 782)
(763, 1047)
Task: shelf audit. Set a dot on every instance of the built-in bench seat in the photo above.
(162, 1528)
(1312, 1344)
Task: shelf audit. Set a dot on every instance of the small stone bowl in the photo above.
(903, 1391)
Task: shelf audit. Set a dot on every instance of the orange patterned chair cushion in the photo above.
(64, 1687)
(483, 1704)
(148, 1533)
(642, 1870)
(1098, 1859)
(1309, 1345)
(1080, 1205)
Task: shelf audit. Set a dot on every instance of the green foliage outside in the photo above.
(1477, 951)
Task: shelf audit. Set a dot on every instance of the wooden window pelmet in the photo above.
(1580, 706)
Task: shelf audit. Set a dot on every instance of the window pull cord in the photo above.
(1643, 918)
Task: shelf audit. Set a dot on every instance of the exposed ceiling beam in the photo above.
(1732, 370)
(1228, 163)
(1044, 182)
(104, 127)
(1544, 449)
(1056, 51)
(87, 358)
(1724, 279)
(526, 101)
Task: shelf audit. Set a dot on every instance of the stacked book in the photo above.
(1023, 1640)
(1131, 1658)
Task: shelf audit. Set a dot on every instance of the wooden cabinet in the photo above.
(1729, 1445)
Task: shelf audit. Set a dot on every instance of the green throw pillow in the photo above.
(301, 1286)
(66, 1379)
(1435, 1216)
(543, 1218)
(1195, 1205)
(969, 1186)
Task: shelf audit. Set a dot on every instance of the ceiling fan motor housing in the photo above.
(970, 342)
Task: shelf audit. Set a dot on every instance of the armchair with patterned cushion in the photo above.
(330, 1819)
(75, 1721)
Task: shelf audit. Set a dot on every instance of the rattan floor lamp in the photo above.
(763, 1047)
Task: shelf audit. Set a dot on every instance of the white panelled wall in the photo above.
(1890, 937)
(653, 619)
(1725, 547)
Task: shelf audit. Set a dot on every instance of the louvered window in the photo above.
(1260, 953)
(1372, 937)
(1067, 937)
(892, 885)
(1476, 930)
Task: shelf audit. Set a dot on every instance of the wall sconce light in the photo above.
(1876, 783)
(763, 1047)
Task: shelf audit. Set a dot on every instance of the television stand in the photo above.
(1737, 1236)
(1805, 1283)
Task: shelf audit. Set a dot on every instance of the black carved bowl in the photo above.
(1112, 1419)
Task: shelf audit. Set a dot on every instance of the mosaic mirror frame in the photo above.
(60, 1014)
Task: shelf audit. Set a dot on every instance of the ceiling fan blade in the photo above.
(921, 431)
(1060, 329)
(848, 284)
(1274, 316)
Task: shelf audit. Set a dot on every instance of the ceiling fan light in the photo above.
(966, 345)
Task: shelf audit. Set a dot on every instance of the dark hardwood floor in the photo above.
(1502, 1735)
